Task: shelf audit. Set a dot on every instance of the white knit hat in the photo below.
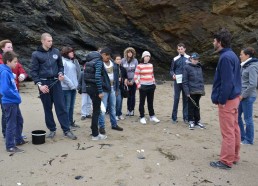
(145, 53)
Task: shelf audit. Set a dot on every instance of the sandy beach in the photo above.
(173, 154)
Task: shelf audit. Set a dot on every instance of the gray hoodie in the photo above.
(71, 76)
(249, 72)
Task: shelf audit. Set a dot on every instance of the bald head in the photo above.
(47, 41)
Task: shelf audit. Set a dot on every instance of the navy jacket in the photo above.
(227, 79)
(193, 79)
(46, 64)
(177, 64)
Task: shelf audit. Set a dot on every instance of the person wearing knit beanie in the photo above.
(145, 82)
(145, 53)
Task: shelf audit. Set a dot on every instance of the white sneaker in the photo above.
(121, 117)
(154, 119)
(99, 137)
(117, 118)
(143, 121)
(128, 113)
(191, 125)
(132, 113)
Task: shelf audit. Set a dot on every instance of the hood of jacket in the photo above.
(41, 49)
(195, 65)
(93, 56)
(129, 49)
(3, 68)
(251, 62)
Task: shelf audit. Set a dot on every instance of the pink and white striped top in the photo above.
(144, 74)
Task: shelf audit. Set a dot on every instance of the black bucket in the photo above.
(38, 137)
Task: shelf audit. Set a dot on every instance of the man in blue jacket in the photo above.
(176, 72)
(225, 93)
(47, 71)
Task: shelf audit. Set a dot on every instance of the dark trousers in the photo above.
(131, 97)
(14, 125)
(3, 117)
(146, 91)
(177, 90)
(96, 101)
(55, 96)
(193, 110)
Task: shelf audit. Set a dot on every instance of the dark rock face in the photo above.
(154, 25)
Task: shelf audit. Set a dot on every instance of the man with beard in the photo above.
(225, 93)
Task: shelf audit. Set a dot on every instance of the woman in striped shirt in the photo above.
(145, 82)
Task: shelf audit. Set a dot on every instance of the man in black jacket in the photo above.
(47, 71)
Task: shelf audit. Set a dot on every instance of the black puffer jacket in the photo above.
(193, 79)
(93, 79)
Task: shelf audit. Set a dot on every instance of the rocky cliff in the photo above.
(154, 25)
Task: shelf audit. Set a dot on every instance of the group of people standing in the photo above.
(234, 92)
(58, 76)
(107, 81)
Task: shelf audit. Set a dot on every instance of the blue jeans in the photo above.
(177, 90)
(109, 98)
(69, 96)
(14, 125)
(119, 103)
(3, 117)
(246, 107)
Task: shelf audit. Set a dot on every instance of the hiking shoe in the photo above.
(117, 119)
(132, 113)
(219, 165)
(191, 125)
(143, 121)
(245, 142)
(70, 135)
(174, 122)
(121, 117)
(24, 136)
(128, 113)
(99, 137)
(15, 150)
(117, 128)
(200, 125)
(154, 119)
(22, 143)
(102, 131)
(83, 118)
(88, 116)
(74, 125)
(51, 134)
